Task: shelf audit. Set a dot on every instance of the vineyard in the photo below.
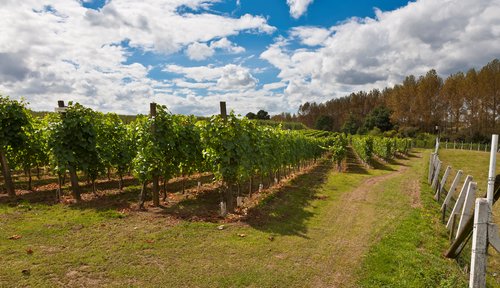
(238, 152)
(163, 183)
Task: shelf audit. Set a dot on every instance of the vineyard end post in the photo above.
(155, 192)
(223, 111)
(226, 202)
(72, 170)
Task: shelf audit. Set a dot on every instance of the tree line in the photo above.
(464, 106)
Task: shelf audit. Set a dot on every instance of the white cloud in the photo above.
(227, 45)
(298, 7)
(236, 78)
(198, 73)
(362, 54)
(199, 51)
(274, 85)
(310, 36)
(61, 50)
(223, 78)
(193, 85)
(241, 102)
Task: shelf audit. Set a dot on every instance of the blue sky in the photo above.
(120, 55)
(319, 13)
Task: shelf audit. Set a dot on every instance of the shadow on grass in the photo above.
(380, 165)
(116, 201)
(46, 197)
(202, 206)
(353, 163)
(45, 189)
(284, 212)
(413, 155)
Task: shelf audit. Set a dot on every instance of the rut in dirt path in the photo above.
(359, 219)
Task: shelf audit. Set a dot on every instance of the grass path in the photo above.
(316, 231)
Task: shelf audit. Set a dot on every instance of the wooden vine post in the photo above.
(155, 176)
(72, 169)
(9, 185)
(226, 200)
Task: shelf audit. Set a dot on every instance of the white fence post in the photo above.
(441, 184)
(435, 179)
(491, 172)
(431, 166)
(460, 200)
(453, 186)
(468, 205)
(479, 244)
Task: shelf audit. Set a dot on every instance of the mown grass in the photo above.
(476, 164)
(411, 255)
(81, 246)
(295, 238)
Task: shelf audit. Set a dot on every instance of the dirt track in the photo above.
(361, 217)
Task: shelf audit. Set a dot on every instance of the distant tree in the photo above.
(431, 107)
(351, 125)
(251, 115)
(324, 122)
(263, 115)
(451, 92)
(284, 116)
(379, 118)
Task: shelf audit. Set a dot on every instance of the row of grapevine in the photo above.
(337, 146)
(383, 147)
(237, 149)
(317, 133)
(363, 145)
(83, 141)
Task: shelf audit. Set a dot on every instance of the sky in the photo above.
(120, 55)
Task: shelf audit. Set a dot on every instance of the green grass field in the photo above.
(476, 164)
(361, 228)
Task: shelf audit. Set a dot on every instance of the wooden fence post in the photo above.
(435, 179)
(431, 167)
(452, 189)
(468, 206)
(491, 170)
(460, 200)
(479, 244)
(437, 196)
